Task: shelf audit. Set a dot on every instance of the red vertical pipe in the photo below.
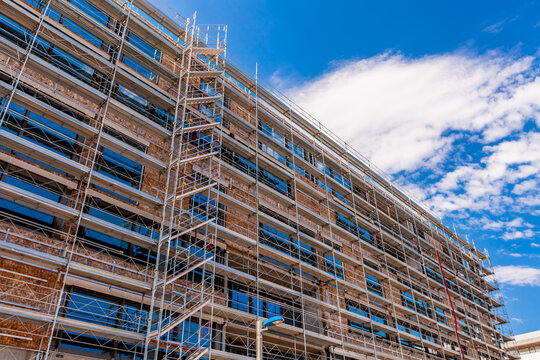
(451, 305)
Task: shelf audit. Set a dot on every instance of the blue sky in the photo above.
(444, 96)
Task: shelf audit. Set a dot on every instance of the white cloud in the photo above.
(401, 112)
(483, 184)
(525, 186)
(514, 235)
(518, 275)
(526, 254)
(488, 224)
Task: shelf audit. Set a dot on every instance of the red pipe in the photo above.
(451, 305)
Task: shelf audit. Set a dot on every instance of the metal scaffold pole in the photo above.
(85, 185)
(29, 50)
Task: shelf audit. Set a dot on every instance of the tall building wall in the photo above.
(527, 345)
(155, 201)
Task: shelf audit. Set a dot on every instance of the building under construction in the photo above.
(156, 201)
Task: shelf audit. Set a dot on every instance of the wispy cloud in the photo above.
(279, 81)
(525, 255)
(489, 224)
(483, 185)
(495, 28)
(401, 112)
(518, 275)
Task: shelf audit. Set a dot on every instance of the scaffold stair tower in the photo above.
(183, 280)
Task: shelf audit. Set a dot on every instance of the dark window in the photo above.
(265, 304)
(373, 285)
(144, 46)
(80, 31)
(140, 69)
(309, 157)
(247, 166)
(144, 107)
(120, 168)
(94, 308)
(275, 238)
(370, 314)
(423, 307)
(272, 133)
(270, 151)
(441, 316)
(298, 151)
(297, 168)
(407, 300)
(40, 131)
(351, 227)
(274, 182)
(334, 266)
(92, 11)
(25, 212)
(202, 206)
(306, 253)
(250, 169)
(433, 275)
(113, 245)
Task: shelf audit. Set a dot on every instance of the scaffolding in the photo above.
(191, 175)
(156, 201)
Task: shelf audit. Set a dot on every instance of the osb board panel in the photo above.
(394, 295)
(241, 195)
(168, 62)
(153, 184)
(248, 188)
(168, 86)
(433, 242)
(352, 252)
(240, 135)
(62, 90)
(307, 223)
(27, 285)
(17, 354)
(31, 288)
(4, 58)
(241, 223)
(242, 112)
(121, 203)
(82, 254)
(277, 206)
(36, 168)
(310, 203)
(139, 132)
(32, 334)
(104, 261)
(23, 237)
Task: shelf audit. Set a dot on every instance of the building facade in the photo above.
(155, 201)
(526, 345)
